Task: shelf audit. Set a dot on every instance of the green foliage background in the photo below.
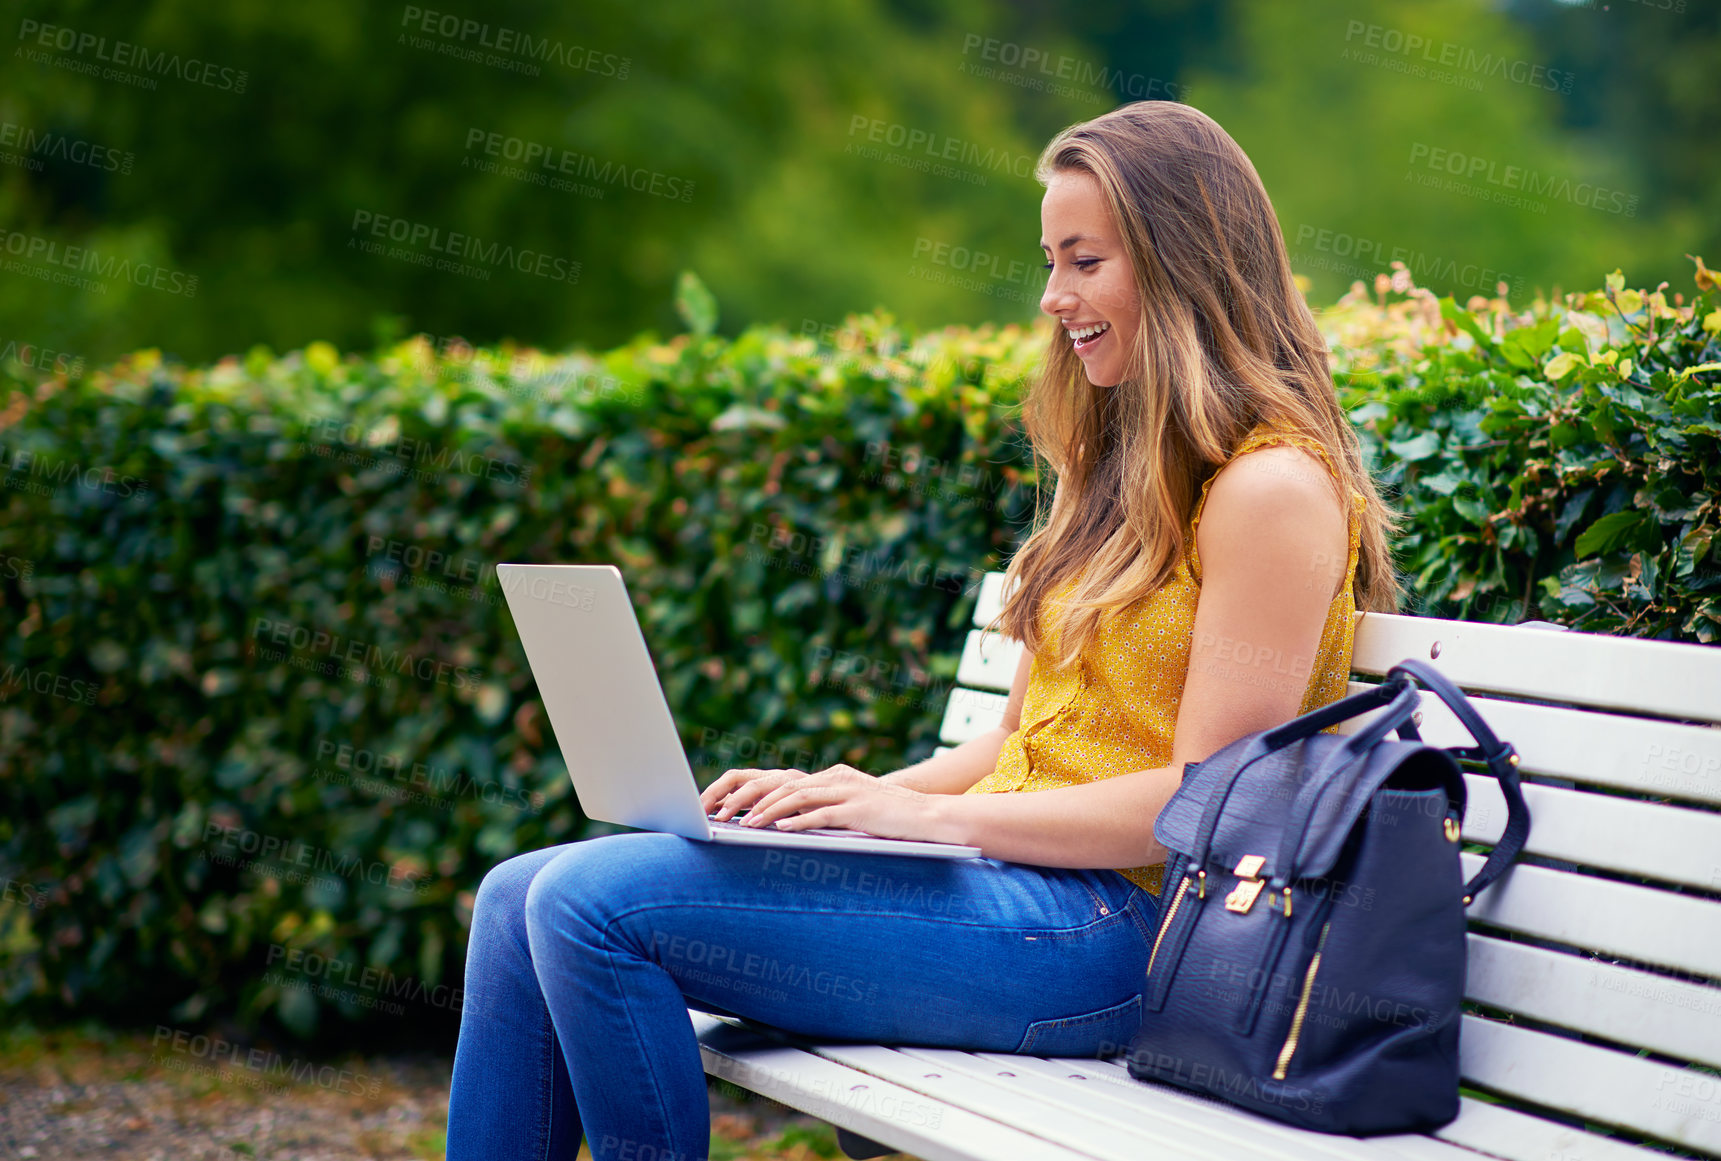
(801, 521)
(790, 217)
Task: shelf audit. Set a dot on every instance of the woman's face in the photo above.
(1090, 290)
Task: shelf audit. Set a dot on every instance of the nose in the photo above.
(1057, 295)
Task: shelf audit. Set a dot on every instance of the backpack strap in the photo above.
(1502, 762)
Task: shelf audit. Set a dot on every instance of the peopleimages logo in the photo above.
(1063, 67)
(39, 144)
(533, 156)
(1410, 46)
(425, 459)
(253, 850)
(1471, 167)
(40, 358)
(936, 147)
(451, 250)
(365, 654)
(123, 55)
(212, 1055)
(503, 47)
(28, 248)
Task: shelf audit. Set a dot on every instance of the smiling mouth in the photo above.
(1084, 338)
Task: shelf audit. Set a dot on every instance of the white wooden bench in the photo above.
(1595, 1022)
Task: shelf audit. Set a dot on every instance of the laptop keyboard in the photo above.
(731, 824)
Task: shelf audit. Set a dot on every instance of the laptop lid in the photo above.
(601, 692)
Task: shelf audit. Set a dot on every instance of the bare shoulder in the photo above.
(1273, 509)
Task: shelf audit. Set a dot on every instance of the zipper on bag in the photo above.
(1176, 902)
(1290, 1047)
(1183, 919)
(1263, 973)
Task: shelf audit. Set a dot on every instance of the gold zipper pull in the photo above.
(1290, 1047)
(1170, 914)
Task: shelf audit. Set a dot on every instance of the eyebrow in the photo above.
(1071, 241)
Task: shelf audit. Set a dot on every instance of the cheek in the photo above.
(1120, 301)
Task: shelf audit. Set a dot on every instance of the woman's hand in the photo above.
(739, 789)
(846, 798)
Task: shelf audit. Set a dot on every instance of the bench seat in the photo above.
(1593, 1025)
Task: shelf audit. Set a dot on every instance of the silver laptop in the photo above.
(613, 724)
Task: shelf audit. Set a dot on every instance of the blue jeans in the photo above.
(584, 959)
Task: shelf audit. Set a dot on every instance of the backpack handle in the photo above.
(1399, 694)
(1502, 762)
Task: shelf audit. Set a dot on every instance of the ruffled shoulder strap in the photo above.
(1271, 434)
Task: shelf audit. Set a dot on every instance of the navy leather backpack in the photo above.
(1309, 962)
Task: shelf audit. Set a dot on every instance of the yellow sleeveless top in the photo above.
(1114, 711)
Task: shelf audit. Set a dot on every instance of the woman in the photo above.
(1212, 533)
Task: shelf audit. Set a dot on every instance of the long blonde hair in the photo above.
(1225, 342)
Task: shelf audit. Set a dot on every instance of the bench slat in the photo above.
(870, 1106)
(1503, 1132)
(970, 713)
(1613, 1098)
(989, 661)
(1653, 757)
(1595, 1083)
(991, 598)
(1620, 834)
(1105, 1088)
(1034, 1114)
(1669, 679)
(1075, 1104)
(1642, 754)
(1664, 678)
(1480, 1126)
(1640, 923)
(1669, 1016)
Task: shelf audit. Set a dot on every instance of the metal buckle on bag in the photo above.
(1243, 895)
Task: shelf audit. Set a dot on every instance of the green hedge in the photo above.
(1561, 462)
(265, 723)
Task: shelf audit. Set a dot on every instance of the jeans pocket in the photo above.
(1106, 1032)
(1109, 891)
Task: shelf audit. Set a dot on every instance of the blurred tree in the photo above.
(803, 158)
(1428, 131)
(1651, 95)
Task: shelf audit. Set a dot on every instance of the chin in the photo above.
(1101, 376)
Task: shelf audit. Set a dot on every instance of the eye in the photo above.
(1087, 263)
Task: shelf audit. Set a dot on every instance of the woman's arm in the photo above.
(951, 773)
(962, 767)
(1270, 532)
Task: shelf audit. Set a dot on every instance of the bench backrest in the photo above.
(1594, 964)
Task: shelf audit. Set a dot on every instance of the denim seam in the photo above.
(548, 1104)
(1094, 1017)
(1038, 1028)
(639, 1037)
(1147, 930)
(1113, 919)
(1054, 932)
(1101, 907)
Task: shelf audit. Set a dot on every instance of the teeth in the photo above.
(1090, 332)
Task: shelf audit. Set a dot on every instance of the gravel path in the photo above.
(88, 1093)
